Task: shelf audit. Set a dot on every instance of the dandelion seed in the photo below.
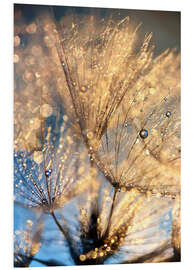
(112, 112)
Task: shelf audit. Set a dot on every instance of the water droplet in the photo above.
(48, 172)
(168, 114)
(101, 254)
(90, 135)
(143, 133)
(29, 222)
(108, 249)
(82, 257)
(83, 89)
(94, 255)
(44, 201)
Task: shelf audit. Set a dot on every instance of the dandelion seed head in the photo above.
(114, 147)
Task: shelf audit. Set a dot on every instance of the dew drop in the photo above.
(82, 257)
(29, 222)
(94, 255)
(143, 133)
(168, 114)
(44, 201)
(83, 89)
(101, 254)
(48, 173)
(108, 249)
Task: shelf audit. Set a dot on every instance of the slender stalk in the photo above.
(58, 224)
(74, 256)
(112, 208)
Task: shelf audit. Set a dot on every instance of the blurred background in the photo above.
(165, 25)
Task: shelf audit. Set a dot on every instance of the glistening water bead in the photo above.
(168, 114)
(143, 133)
(48, 173)
(44, 201)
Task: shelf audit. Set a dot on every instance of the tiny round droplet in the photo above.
(94, 255)
(48, 173)
(108, 249)
(44, 201)
(143, 133)
(168, 114)
(29, 222)
(82, 257)
(83, 89)
(89, 135)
